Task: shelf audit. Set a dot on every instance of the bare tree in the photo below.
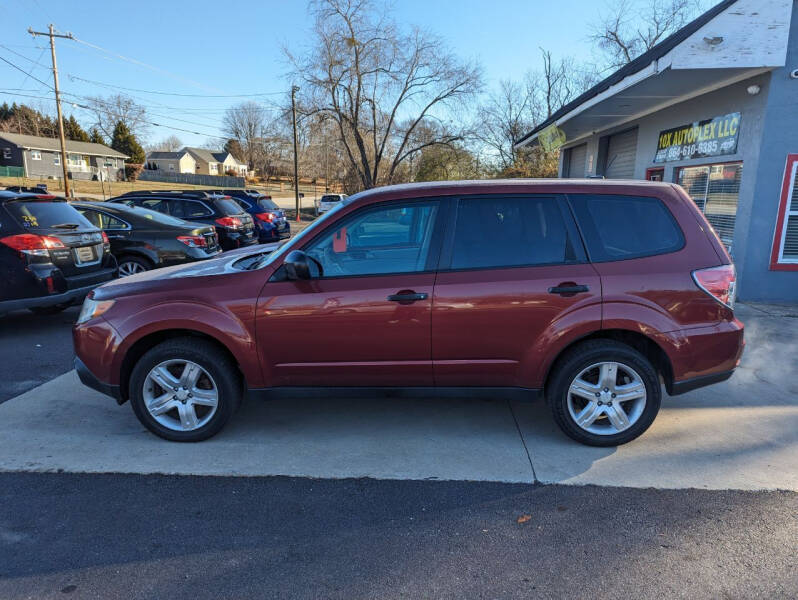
(171, 143)
(517, 107)
(629, 29)
(246, 123)
(109, 111)
(504, 116)
(379, 84)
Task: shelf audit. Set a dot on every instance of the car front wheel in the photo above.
(185, 390)
(604, 393)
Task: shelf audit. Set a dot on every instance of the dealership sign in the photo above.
(712, 137)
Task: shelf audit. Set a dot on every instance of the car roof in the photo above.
(9, 195)
(507, 186)
(109, 206)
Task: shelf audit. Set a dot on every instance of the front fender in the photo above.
(232, 329)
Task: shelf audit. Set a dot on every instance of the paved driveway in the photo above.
(742, 434)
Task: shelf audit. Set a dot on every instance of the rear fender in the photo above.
(560, 334)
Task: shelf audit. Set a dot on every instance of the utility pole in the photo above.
(294, 90)
(61, 136)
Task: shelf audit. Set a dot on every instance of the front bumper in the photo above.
(90, 379)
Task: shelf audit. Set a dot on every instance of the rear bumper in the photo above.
(69, 297)
(705, 355)
(90, 379)
(688, 385)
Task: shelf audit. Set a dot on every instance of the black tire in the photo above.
(209, 357)
(49, 310)
(583, 356)
(142, 263)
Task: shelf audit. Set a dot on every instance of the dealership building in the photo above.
(714, 108)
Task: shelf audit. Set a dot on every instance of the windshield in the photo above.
(44, 214)
(228, 206)
(299, 239)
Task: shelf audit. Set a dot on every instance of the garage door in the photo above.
(577, 156)
(621, 151)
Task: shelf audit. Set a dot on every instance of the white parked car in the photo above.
(328, 201)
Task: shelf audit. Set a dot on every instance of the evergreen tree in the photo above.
(73, 130)
(96, 137)
(125, 142)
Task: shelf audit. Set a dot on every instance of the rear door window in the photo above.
(103, 220)
(497, 232)
(624, 227)
(45, 214)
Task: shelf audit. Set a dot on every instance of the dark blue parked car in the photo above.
(270, 221)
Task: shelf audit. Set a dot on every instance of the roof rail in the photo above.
(182, 193)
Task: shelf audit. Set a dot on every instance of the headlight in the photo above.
(93, 308)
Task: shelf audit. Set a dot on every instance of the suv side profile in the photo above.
(591, 294)
(234, 226)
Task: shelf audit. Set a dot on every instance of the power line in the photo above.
(21, 70)
(160, 93)
(145, 65)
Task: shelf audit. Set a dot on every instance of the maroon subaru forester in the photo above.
(592, 294)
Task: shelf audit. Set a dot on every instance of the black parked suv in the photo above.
(143, 239)
(270, 221)
(234, 226)
(50, 255)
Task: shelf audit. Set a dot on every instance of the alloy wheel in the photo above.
(130, 268)
(606, 398)
(180, 395)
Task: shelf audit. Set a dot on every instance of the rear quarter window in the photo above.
(228, 207)
(624, 227)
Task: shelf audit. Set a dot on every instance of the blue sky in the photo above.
(227, 48)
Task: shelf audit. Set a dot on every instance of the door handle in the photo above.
(568, 288)
(407, 297)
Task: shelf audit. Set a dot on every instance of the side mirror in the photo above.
(297, 265)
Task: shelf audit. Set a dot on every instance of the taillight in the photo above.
(268, 217)
(193, 241)
(28, 243)
(718, 282)
(231, 222)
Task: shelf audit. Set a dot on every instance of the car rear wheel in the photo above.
(130, 265)
(604, 393)
(185, 390)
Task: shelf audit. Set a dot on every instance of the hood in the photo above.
(160, 279)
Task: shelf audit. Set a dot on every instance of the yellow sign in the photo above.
(551, 138)
(711, 137)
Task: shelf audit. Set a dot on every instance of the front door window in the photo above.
(391, 239)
